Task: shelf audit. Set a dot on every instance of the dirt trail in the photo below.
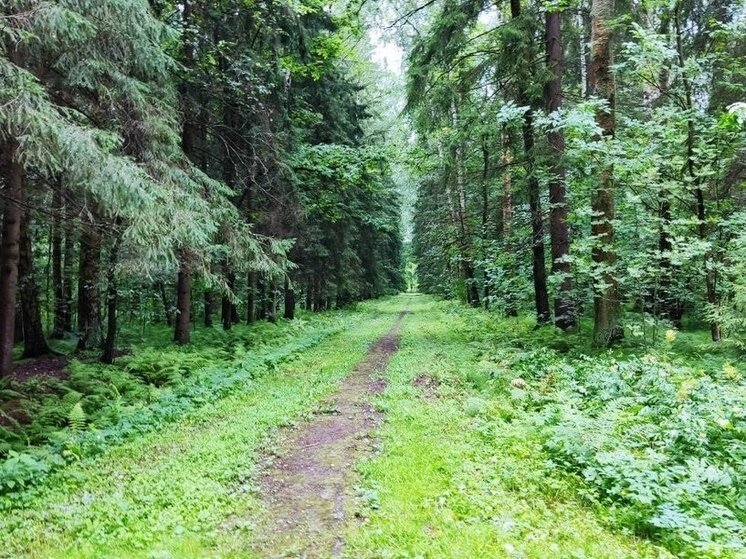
(305, 488)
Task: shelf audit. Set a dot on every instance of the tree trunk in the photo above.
(251, 298)
(89, 296)
(68, 268)
(506, 211)
(12, 174)
(261, 295)
(541, 297)
(467, 256)
(183, 299)
(227, 310)
(607, 306)
(271, 301)
(112, 296)
(167, 310)
(34, 343)
(58, 331)
(559, 231)
(289, 313)
(209, 307)
(485, 212)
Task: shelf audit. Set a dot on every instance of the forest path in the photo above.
(306, 482)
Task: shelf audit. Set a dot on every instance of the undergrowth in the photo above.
(99, 405)
(651, 439)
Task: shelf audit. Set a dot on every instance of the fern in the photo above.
(76, 418)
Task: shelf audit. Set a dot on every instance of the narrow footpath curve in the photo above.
(305, 487)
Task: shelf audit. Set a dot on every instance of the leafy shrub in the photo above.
(663, 444)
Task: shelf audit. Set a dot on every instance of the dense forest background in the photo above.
(582, 159)
(188, 187)
(180, 161)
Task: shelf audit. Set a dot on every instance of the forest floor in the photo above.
(406, 434)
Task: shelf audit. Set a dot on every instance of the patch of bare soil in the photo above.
(53, 366)
(427, 384)
(306, 487)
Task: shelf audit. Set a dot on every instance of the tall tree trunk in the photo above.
(57, 235)
(112, 297)
(607, 306)
(485, 212)
(227, 310)
(183, 299)
(559, 231)
(12, 174)
(209, 307)
(68, 267)
(271, 301)
(289, 313)
(89, 295)
(34, 343)
(506, 211)
(541, 296)
(261, 295)
(167, 306)
(18, 326)
(251, 298)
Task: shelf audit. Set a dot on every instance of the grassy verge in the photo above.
(185, 490)
(464, 472)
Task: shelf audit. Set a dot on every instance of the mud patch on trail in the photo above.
(306, 488)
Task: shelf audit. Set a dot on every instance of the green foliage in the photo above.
(101, 406)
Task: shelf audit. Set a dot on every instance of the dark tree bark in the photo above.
(89, 295)
(485, 211)
(165, 301)
(34, 342)
(607, 306)
(112, 296)
(57, 277)
(559, 231)
(261, 295)
(506, 210)
(227, 307)
(289, 313)
(12, 174)
(68, 267)
(18, 326)
(271, 302)
(541, 296)
(209, 307)
(183, 299)
(251, 298)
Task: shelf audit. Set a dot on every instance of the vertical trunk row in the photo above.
(112, 296)
(251, 298)
(89, 295)
(289, 313)
(506, 210)
(559, 231)
(467, 256)
(59, 289)
(607, 307)
(541, 296)
(12, 174)
(34, 343)
(183, 299)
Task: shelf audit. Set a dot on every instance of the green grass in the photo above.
(445, 486)
(498, 441)
(186, 489)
